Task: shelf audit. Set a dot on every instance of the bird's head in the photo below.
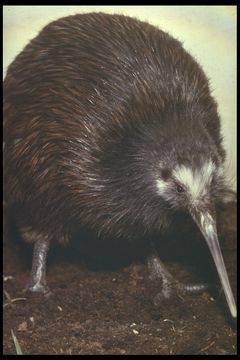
(193, 184)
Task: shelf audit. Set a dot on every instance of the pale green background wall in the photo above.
(208, 33)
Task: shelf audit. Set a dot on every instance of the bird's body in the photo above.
(108, 124)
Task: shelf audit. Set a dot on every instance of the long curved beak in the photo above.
(205, 219)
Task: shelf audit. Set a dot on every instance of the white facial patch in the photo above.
(195, 181)
(161, 186)
(220, 171)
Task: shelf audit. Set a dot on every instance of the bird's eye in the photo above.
(179, 189)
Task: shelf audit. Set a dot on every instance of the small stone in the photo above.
(22, 326)
(6, 278)
(122, 351)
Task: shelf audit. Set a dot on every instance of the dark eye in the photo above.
(179, 189)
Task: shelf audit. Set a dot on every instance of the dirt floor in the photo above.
(103, 299)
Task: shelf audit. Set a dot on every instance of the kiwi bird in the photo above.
(110, 124)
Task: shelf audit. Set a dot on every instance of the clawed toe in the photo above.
(193, 288)
(178, 290)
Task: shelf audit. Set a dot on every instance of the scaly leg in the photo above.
(37, 281)
(169, 284)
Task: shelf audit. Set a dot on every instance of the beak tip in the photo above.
(234, 312)
(207, 225)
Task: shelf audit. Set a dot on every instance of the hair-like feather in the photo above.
(96, 108)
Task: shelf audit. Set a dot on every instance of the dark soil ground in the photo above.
(102, 301)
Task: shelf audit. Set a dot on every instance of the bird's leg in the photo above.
(158, 271)
(169, 284)
(37, 281)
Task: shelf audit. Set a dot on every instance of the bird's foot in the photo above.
(174, 288)
(170, 287)
(33, 288)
